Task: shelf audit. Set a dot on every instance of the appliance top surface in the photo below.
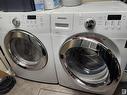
(21, 13)
(102, 6)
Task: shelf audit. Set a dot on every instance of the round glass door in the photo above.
(88, 60)
(26, 50)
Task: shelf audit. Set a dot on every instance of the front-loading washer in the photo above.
(26, 42)
(89, 46)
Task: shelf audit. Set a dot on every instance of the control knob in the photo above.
(16, 22)
(90, 24)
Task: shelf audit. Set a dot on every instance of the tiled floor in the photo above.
(24, 87)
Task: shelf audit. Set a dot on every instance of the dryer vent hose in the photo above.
(7, 84)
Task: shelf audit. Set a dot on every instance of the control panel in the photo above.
(114, 22)
(37, 22)
(33, 21)
(101, 21)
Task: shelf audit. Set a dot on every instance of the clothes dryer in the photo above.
(26, 42)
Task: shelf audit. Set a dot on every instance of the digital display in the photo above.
(31, 17)
(114, 17)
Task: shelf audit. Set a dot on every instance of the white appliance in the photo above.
(26, 42)
(89, 46)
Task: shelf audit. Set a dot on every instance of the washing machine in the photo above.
(89, 46)
(26, 42)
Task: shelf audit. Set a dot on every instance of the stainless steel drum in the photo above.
(26, 50)
(91, 60)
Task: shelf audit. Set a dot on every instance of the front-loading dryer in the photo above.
(89, 46)
(26, 42)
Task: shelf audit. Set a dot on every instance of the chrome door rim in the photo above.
(26, 64)
(72, 42)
